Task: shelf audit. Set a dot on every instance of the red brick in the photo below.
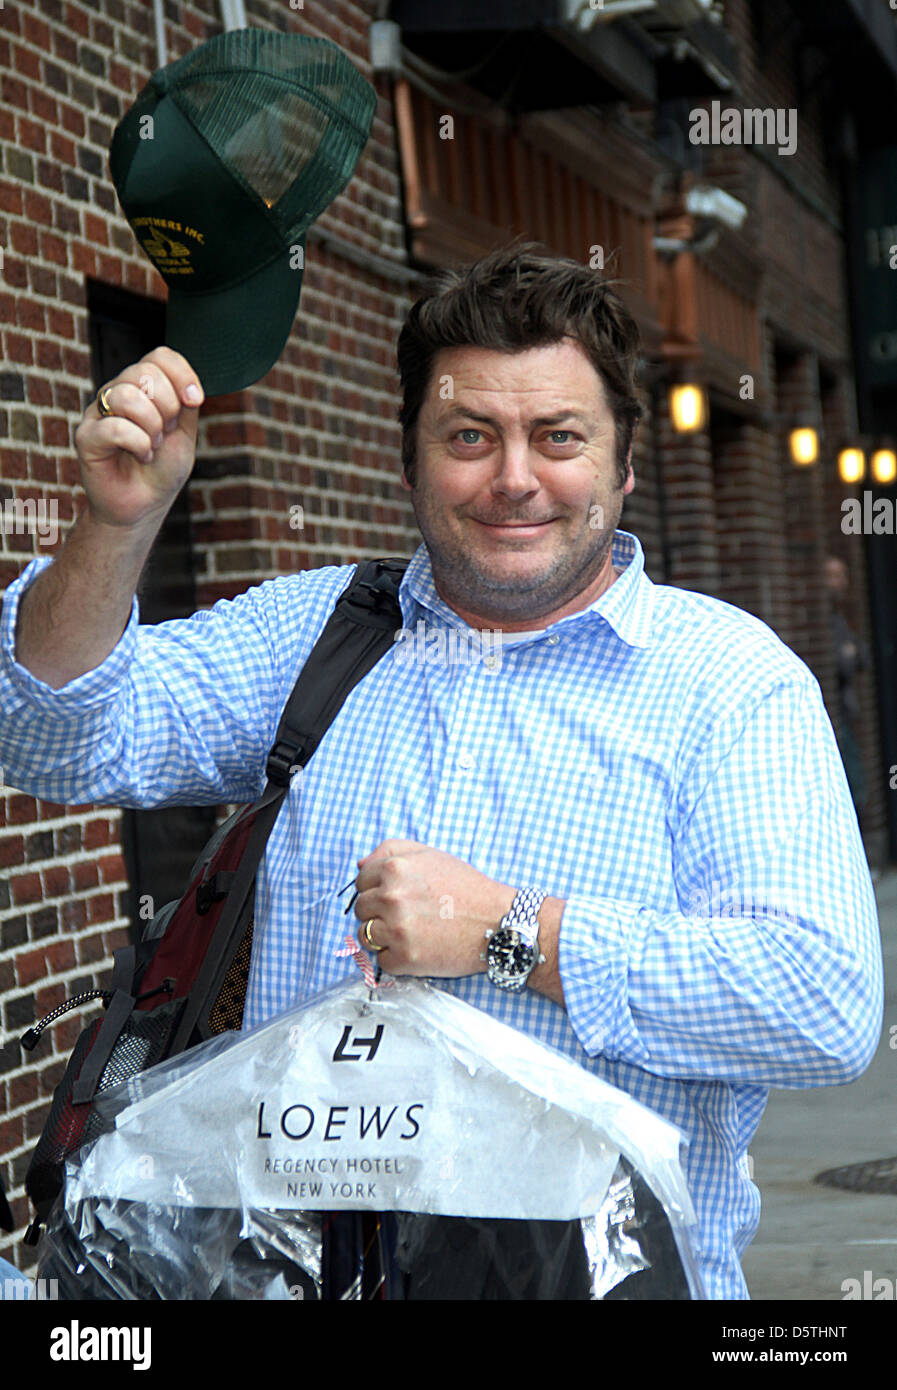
(57, 881)
(95, 229)
(22, 1090)
(30, 966)
(12, 850)
(109, 269)
(11, 198)
(55, 433)
(77, 363)
(101, 908)
(112, 869)
(116, 939)
(50, 1076)
(53, 248)
(72, 120)
(84, 259)
(25, 888)
(91, 948)
(60, 956)
(12, 1133)
(66, 1033)
(36, 31)
(49, 997)
(13, 92)
(29, 314)
(40, 391)
(74, 914)
(49, 355)
(60, 322)
(96, 834)
(32, 136)
(49, 174)
(85, 876)
(23, 238)
(44, 469)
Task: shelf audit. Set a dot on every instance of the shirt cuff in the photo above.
(597, 937)
(86, 691)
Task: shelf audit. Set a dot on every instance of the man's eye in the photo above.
(463, 433)
(553, 436)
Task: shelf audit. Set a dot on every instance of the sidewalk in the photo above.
(811, 1238)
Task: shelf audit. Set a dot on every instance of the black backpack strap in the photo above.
(6, 1218)
(358, 632)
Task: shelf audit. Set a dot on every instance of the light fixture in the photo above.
(884, 465)
(851, 465)
(804, 446)
(688, 407)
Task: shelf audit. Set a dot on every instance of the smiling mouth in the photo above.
(514, 525)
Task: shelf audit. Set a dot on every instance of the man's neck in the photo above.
(600, 585)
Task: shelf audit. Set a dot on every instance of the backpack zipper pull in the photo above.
(30, 1039)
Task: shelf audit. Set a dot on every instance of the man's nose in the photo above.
(515, 475)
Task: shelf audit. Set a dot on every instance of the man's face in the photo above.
(516, 494)
(836, 576)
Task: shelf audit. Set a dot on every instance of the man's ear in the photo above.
(630, 476)
(405, 483)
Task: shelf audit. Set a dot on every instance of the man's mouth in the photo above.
(515, 528)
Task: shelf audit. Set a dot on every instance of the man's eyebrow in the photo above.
(457, 411)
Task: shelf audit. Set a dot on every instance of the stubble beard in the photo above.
(462, 582)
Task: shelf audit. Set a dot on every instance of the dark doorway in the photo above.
(159, 846)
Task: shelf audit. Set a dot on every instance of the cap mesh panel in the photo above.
(270, 134)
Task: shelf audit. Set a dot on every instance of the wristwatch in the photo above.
(512, 949)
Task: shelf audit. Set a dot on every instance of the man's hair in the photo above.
(516, 298)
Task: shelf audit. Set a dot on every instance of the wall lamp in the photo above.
(688, 407)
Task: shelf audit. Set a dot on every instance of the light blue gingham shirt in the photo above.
(659, 760)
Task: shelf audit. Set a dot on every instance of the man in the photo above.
(851, 657)
(655, 763)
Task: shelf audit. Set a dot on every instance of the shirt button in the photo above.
(465, 760)
(490, 662)
(553, 640)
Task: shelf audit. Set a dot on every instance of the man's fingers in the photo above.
(99, 438)
(178, 371)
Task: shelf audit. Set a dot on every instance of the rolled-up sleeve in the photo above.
(179, 713)
(770, 971)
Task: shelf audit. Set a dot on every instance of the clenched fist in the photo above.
(135, 461)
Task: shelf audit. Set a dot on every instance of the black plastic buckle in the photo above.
(207, 893)
(281, 761)
(379, 596)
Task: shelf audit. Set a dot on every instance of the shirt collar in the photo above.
(626, 607)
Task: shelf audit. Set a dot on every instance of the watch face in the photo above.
(509, 957)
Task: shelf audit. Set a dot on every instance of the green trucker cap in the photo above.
(221, 165)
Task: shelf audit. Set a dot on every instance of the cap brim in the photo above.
(231, 338)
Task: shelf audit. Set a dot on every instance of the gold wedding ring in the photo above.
(368, 939)
(103, 405)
